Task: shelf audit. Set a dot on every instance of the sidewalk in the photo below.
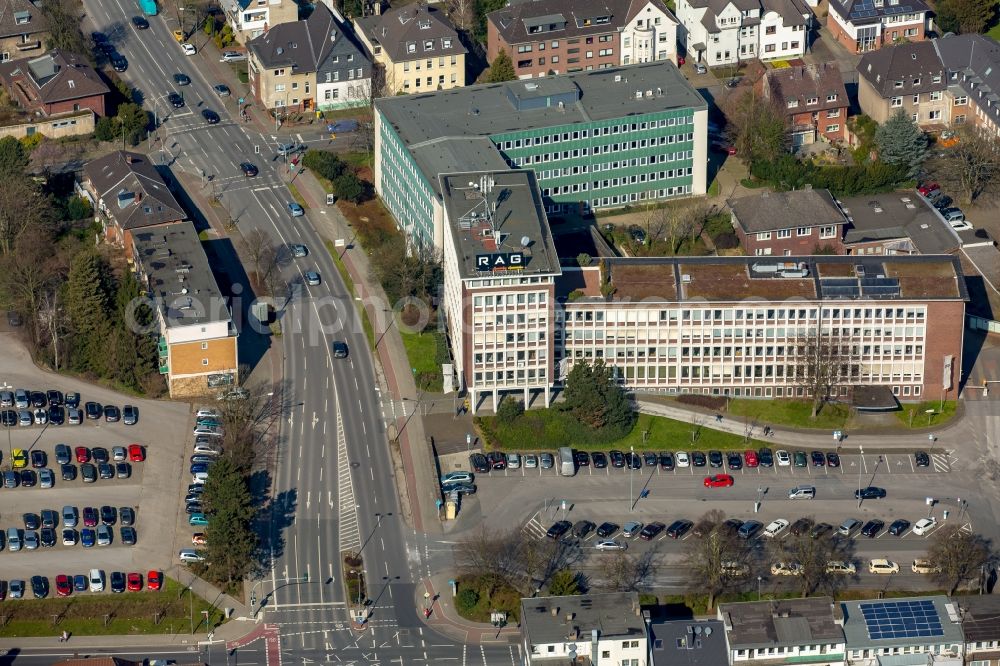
(948, 435)
(445, 620)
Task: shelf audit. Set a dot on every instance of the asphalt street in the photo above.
(334, 488)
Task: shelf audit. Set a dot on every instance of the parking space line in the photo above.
(912, 466)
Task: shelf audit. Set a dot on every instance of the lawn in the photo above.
(795, 413)
(84, 614)
(994, 32)
(916, 416)
(421, 350)
(505, 598)
(551, 428)
(296, 195)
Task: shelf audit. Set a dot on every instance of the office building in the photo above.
(906, 630)
(789, 631)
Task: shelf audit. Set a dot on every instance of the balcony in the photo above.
(161, 346)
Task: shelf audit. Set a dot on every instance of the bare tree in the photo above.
(718, 562)
(823, 363)
(23, 206)
(494, 557)
(814, 556)
(542, 559)
(959, 555)
(52, 320)
(973, 165)
(378, 86)
(708, 522)
(677, 222)
(248, 414)
(462, 13)
(626, 573)
(755, 126)
(27, 273)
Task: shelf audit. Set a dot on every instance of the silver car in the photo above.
(631, 529)
(530, 461)
(546, 460)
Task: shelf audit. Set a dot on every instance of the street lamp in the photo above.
(860, 465)
(304, 578)
(631, 470)
(759, 578)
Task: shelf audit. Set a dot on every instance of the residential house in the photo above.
(417, 46)
(973, 94)
(813, 99)
(724, 32)
(867, 25)
(128, 194)
(198, 341)
(806, 221)
(22, 29)
(54, 83)
(688, 643)
(907, 77)
(309, 64)
(980, 614)
(789, 631)
(547, 37)
(788, 223)
(250, 19)
(903, 631)
(595, 628)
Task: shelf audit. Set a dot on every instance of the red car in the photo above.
(154, 580)
(135, 453)
(64, 586)
(82, 454)
(134, 582)
(751, 458)
(718, 481)
(927, 188)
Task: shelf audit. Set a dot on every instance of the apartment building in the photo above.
(924, 630)
(724, 32)
(813, 99)
(595, 140)
(128, 194)
(310, 64)
(250, 19)
(789, 631)
(867, 25)
(417, 46)
(592, 628)
(197, 338)
(551, 37)
(23, 29)
(939, 83)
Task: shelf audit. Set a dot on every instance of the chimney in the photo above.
(128, 158)
(138, 197)
(573, 633)
(569, 617)
(555, 611)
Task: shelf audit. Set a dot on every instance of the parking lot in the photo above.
(151, 490)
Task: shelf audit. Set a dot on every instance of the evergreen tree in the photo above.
(13, 157)
(594, 397)
(900, 141)
(966, 16)
(231, 539)
(87, 305)
(502, 69)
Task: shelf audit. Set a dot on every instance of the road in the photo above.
(334, 488)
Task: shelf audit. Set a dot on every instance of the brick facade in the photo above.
(768, 243)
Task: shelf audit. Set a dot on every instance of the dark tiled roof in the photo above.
(687, 643)
(977, 60)
(781, 623)
(132, 190)
(575, 18)
(54, 77)
(807, 82)
(783, 210)
(903, 62)
(300, 45)
(860, 12)
(980, 617)
(20, 17)
(412, 25)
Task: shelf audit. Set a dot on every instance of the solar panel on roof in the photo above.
(839, 282)
(901, 619)
(879, 282)
(839, 292)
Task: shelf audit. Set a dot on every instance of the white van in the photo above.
(802, 492)
(96, 580)
(13, 539)
(883, 566)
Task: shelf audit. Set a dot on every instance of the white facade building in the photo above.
(650, 34)
(723, 32)
(250, 18)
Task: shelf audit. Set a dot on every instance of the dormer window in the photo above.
(447, 43)
(832, 97)
(916, 81)
(424, 25)
(793, 103)
(411, 47)
(428, 44)
(936, 78)
(812, 100)
(350, 57)
(22, 18)
(898, 84)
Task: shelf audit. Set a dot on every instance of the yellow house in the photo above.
(197, 337)
(417, 46)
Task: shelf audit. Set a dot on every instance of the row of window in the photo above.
(761, 652)
(511, 377)
(829, 231)
(429, 63)
(832, 97)
(724, 352)
(615, 200)
(640, 144)
(633, 316)
(607, 130)
(352, 74)
(429, 81)
(554, 44)
(622, 181)
(428, 44)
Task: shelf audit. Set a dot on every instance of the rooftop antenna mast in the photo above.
(486, 184)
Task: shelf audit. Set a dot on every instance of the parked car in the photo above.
(651, 531)
(605, 530)
(898, 527)
(775, 527)
(679, 528)
(189, 49)
(873, 528)
(559, 529)
(870, 492)
(631, 529)
(479, 463)
(924, 525)
(232, 56)
(882, 566)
